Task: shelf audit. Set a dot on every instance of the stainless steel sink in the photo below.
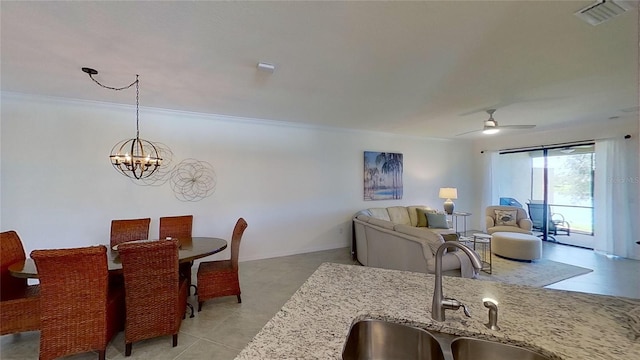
(375, 339)
(471, 348)
(378, 339)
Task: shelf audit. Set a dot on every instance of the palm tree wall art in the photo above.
(382, 175)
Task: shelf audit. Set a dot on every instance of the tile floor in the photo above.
(224, 327)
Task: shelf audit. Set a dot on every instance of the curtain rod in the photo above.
(556, 145)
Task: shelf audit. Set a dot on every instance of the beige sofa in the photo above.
(390, 238)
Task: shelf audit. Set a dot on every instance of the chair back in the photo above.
(536, 213)
(129, 230)
(176, 226)
(520, 212)
(150, 272)
(238, 230)
(73, 292)
(11, 251)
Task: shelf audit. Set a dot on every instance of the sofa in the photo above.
(507, 219)
(400, 238)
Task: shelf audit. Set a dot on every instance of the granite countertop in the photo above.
(315, 322)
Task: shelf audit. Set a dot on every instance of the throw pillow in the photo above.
(422, 217)
(506, 217)
(437, 221)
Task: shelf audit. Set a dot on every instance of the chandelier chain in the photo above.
(114, 88)
(137, 84)
(137, 107)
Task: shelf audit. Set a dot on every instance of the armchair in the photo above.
(507, 219)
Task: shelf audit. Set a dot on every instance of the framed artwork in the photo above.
(382, 176)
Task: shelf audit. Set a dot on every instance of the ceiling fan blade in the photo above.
(515, 126)
(469, 132)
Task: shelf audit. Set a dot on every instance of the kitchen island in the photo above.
(314, 323)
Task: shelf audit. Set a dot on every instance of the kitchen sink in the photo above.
(477, 349)
(373, 339)
(378, 339)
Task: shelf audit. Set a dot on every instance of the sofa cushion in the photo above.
(380, 213)
(437, 221)
(433, 240)
(506, 217)
(382, 223)
(399, 215)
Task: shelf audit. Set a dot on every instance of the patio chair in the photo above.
(79, 312)
(220, 278)
(555, 221)
(19, 302)
(155, 294)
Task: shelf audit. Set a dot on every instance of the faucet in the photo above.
(440, 303)
(492, 305)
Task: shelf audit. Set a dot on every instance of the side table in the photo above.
(482, 245)
(454, 218)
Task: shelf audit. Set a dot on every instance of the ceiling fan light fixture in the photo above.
(490, 131)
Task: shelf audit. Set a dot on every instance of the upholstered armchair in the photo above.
(507, 219)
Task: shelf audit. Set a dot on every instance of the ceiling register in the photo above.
(135, 158)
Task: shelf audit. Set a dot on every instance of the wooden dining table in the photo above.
(190, 249)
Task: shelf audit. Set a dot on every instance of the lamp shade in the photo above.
(448, 193)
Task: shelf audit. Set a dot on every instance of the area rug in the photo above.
(538, 273)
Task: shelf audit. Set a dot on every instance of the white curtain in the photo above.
(489, 184)
(616, 207)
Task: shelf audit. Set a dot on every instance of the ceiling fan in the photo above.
(491, 125)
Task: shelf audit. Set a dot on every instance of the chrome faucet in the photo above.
(492, 305)
(440, 303)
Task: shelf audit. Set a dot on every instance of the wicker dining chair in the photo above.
(155, 294)
(179, 227)
(19, 302)
(123, 230)
(128, 230)
(220, 278)
(79, 312)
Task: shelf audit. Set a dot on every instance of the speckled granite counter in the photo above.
(315, 322)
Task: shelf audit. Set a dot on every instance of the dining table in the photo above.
(190, 249)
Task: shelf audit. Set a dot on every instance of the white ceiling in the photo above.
(419, 68)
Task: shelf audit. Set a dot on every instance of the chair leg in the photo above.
(175, 340)
(190, 308)
(102, 355)
(195, 289)
(200, 305)
(127, 349)
(239, 299)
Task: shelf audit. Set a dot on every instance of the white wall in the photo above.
(297, 186)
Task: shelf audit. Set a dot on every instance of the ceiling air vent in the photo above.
(604, 10)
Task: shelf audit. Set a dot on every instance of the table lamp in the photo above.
(448, 194)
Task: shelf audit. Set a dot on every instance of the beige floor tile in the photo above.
(204, 349)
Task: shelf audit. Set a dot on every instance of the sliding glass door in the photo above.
(555, 187)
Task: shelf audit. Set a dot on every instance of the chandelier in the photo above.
(135, 158)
